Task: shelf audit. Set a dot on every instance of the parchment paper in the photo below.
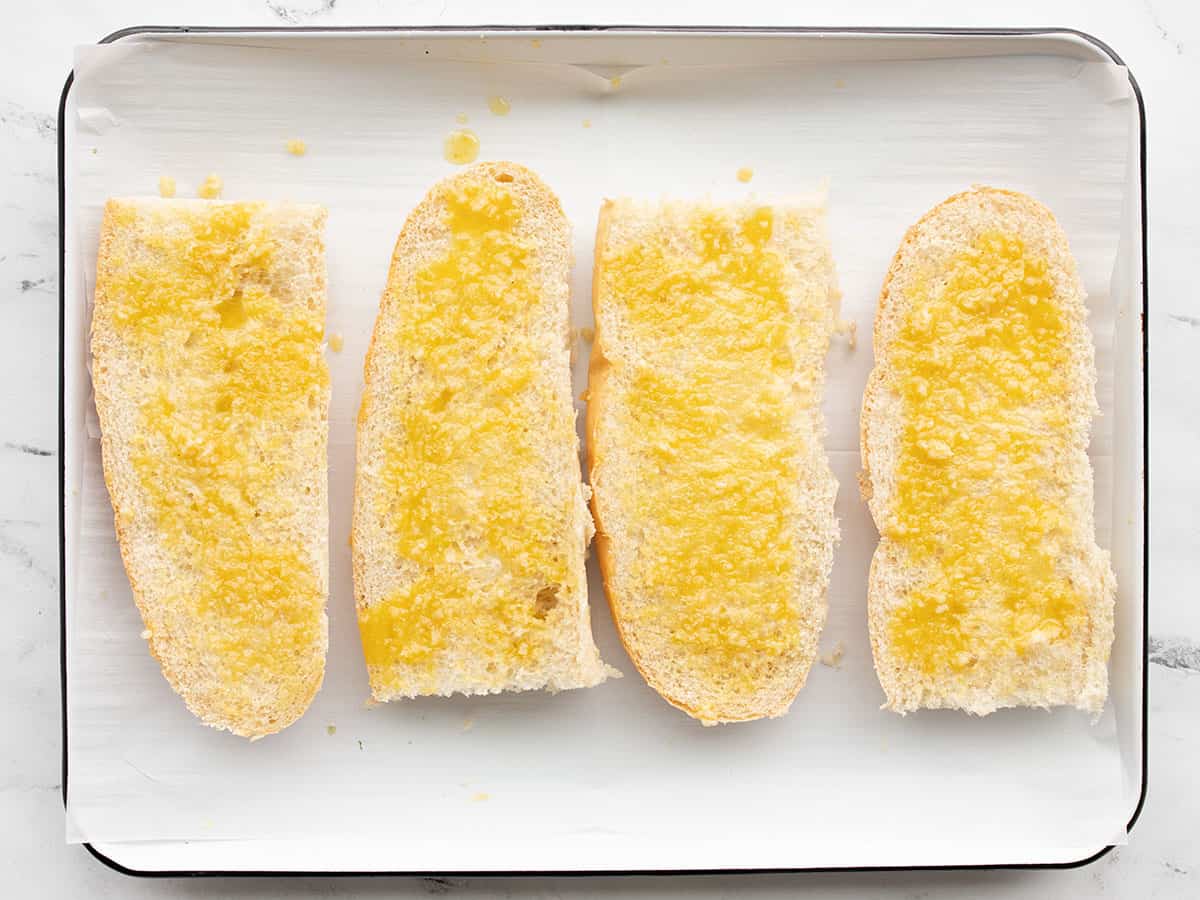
(610, 777)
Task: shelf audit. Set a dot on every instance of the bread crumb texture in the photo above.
(212, 394)
(471, 527)
(712, 491)
(982, 366)
(989, 505)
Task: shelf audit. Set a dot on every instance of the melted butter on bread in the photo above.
(230, 383)
(467, 480)
(980, 364)
(712, 323)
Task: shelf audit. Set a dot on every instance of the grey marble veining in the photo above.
(1175, 653)
(300, 15)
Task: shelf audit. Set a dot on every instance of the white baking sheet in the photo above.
(610, 778)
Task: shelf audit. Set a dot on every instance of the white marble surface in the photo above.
(1159, 39)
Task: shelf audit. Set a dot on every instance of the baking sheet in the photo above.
(611, 777)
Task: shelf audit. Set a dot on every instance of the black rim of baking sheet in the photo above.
(626, 29)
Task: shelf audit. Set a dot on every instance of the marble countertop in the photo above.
(1160, 41)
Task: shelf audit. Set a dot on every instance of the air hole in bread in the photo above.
(546, 600)
(190, 340)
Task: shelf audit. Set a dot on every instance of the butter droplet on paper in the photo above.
(461, 147)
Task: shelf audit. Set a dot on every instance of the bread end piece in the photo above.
(159, 336)
(1046, 673)
(489, 620)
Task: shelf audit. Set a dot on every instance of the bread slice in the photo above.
(213, 398)
(987, 588)
(711, 491)
(470, 520)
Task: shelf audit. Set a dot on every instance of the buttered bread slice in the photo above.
(470, 520)
(711, 490)
(212, 393)
(987, 588)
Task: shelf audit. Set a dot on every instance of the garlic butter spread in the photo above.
(213, 452)
(475, 517)
(981, 363)
(714, 415)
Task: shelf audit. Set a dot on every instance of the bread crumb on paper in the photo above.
(331, 730)
(479, 797)
(296, 147)
(210, 188)
(586, 334)
(833, 659)
(336, 342)
(468, 724)
(166, 186)
(848, 327)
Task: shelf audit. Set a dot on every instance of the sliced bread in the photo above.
(470, 519)
(212, 393)
(712, 494)
(987, 588)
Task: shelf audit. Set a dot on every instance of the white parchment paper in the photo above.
(610, 777)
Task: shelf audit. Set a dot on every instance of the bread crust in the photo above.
(599, 369)
(1085, 688)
